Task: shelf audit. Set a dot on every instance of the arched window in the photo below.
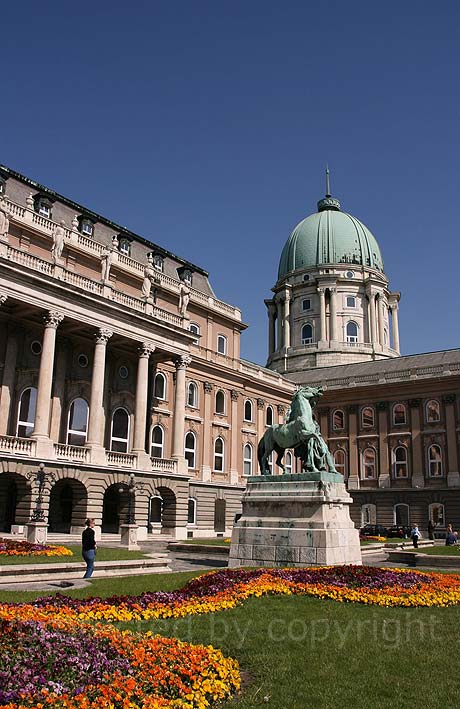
(307, 334)
(159, 391)
(288, 463)
(77, 425)
(119, 437)
(436, 513)
(26, 413)
(434, 461)
(222, 344)
(368, 514)
(369, 464)
(248, 410)
(156, 509)
(367, 417)
(219, 453)
(432, 411)
(269, 416)
(193, 327)
(247, 459)
(401, 514)
(352, 332)
(156, 449)
(340, 460)
(399, 414)
(338, 420)
(190, 449)
(192, 395)
(219, 515)
(220, 402)
(400, 462)
(191, 514)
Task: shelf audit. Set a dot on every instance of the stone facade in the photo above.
(117, 358)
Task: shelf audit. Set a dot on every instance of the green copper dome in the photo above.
(329, 236)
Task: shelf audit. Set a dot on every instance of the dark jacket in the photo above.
(450, 539)
(88, 539)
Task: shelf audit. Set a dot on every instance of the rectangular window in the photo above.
(44, 210)
(306, 304)
(351, 301)
(87, 228)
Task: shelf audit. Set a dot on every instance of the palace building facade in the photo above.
(391, 422)
(118, 364)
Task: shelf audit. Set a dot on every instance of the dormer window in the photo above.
(2, 185)
(124, 246)
(185, 275)
(158, 262)
(43, 205)
(86, 226)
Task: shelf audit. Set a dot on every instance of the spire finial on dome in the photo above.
(328, 184)
(328, 202)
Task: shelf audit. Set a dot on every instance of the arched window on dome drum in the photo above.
(369, 466)
(190, 449)
(269, 416)
(307, 334)
(220, 402)
(288, 463)
(432, 411)
(338, 420)
(248, 410)
(399, 414)
(219, 452)
(400, 469)
(435, 461)
(156, 449)
(340, 461)
(26, 413)
(77, 423)
(352, 332)
(159, 391)
(192, 395)
(119, 438)
(247, 459)
(367, 417)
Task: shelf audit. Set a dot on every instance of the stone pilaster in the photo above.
(8, 381)
(58, 390)
(181, 365)
(140, 413)
(418, 478)
(353, 473)
(372, 316)
(384, 465)
(333, 314)
(207, 425)
(235, 438)
(271, 311)
(287, 318)
(45, 381)
(279, 322)
(95, 439)
(322, 314)
(453, 476)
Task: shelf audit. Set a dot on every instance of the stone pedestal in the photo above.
(129, 536)
(36, 532)
(295, 520)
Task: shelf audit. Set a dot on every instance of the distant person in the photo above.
(450, 536)
(430, 529)
(88, 546)
(415, 535)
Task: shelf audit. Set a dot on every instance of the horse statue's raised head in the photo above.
(310, 392)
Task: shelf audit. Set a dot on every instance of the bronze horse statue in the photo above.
(301, 432)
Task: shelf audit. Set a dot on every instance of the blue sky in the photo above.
(206, 125)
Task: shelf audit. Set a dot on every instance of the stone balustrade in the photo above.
(121, 460)
(164, 465)
(17, 446)
(78, 454)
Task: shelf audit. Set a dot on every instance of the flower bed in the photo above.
(12, 547)
(371, 538)
(89, 667)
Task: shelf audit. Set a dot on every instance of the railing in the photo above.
(121, 460)
(67, 452)
(26, 259)
(89, 244)
(86, 284)
(167, 316)
(164, 465)
(129, 300)
(20, 446)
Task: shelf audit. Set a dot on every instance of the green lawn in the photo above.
(214, 541)
(103, 554)
(299, 652)
(441, 550)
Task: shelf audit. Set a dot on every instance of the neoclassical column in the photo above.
(372, 334)
(416, 472)
(322, 314)
(45, 376)
(353, 462)
(235, 438)
(207, 425)
(395, 323)
(381, 311)
(384, 463)
(287, 325)
(271, 311)
(279, 315)
(8, 379)
(58, 389)
(140, 411)
(95, 436)
(181, 365)
(333, 314)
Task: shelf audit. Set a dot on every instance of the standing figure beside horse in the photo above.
(301, 432)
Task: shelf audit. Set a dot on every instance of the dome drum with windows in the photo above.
(332, 302)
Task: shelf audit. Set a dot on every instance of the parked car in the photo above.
(399, 530)
(373, 530)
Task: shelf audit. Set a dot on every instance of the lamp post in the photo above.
(36, 527)
(129, 529)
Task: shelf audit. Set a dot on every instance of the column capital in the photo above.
(146, 349)
(207, 387)
(53, 318)
(332, 289)
(321, 290)
(3, 297)
(182, 362)
(449, 399)
(102, 336)
(234, 394)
